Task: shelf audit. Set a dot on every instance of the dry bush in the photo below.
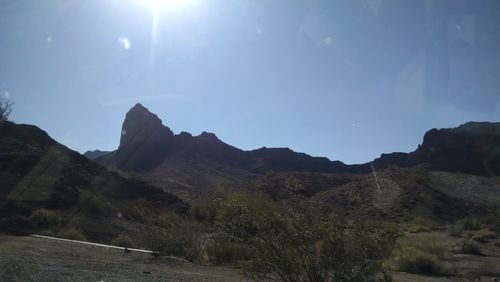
(413, 260)
(45, 218)
(123, 240)
(73, 234)
(301, 244)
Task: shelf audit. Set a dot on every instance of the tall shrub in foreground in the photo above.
(303, 244)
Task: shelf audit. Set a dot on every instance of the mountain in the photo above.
(36, 173)
(146, 143)
(183, 164)
(473, 148)
(92, 155)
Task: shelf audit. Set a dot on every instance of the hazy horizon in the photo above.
(344, 80)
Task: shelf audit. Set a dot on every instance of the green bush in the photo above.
(123, 240)
(46, 218)
(93, 203)
(73, 234)
(223, 252)
(301, 243)
(173, 234)
(412, 260)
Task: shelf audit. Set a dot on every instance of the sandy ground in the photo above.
(25, 258)
(37, 259)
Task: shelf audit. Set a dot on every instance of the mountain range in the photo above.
(453, 173)
(186, 164)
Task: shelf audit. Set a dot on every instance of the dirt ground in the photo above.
(26, 258)
(37, 259)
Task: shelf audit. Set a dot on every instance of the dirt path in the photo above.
(39, 259)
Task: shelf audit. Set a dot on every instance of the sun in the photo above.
(158, 5)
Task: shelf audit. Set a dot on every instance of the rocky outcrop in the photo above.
(144, 140)
(151, 149)
(472, 148)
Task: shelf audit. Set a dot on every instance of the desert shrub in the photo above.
(93, 204)
(455, 231)
(302, 244)
(470, 248)
(413, 260)
(484, 236)
(5, 109)
(223, 252)
(73, 234)
(471, 223)
(45, 218)
(204, 212)
(172, 234)
(123, 240)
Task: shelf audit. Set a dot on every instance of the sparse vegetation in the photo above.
(301, 243)
(471, 223)
(455, 231)
(416, 228)
(426, 223)
(413, 260)
(93, 203)
(5, 109)
(484, 235)
(73, 234)
(45, 218)
(222, 252)
(123, 240)
(168, 232)
(470, 248)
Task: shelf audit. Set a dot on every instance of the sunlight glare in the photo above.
(160, 6)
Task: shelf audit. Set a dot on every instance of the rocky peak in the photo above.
(208, 136)
(144, 140)
(140, 124)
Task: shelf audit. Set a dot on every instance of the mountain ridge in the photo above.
(154, 153)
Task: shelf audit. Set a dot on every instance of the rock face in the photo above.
(144, 140)
(188, 162)
(472, 148)
(142, 126)
(37, 172)
(145, 143)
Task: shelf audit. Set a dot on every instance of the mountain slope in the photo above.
(37, 172)
(183, 163)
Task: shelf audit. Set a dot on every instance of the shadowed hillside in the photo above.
(36, 173)
(192, 165)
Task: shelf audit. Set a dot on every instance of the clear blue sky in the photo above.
(348, 80)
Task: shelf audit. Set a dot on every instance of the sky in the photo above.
(348, 80)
